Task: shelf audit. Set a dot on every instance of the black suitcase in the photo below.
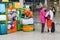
(53, 27)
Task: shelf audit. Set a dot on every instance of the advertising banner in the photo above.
(2, 8)
(5, 0)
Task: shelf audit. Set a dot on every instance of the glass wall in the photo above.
(53, 2)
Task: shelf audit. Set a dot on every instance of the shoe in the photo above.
(49, 31)
(41, 31)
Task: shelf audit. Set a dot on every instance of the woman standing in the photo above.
(54, 11)
(42, 18)
(49, 16)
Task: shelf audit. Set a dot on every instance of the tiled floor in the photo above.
(35, 35)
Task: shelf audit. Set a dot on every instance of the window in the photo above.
(28, 0)
(14, 0)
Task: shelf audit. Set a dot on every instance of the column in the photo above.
(45, 2)
(59, 4)
(21, 3)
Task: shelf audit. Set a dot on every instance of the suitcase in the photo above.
(3, 29)
(53, 27)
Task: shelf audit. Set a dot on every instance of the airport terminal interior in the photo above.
(36, 33)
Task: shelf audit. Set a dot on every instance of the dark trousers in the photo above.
(42, 28)
(54, 14)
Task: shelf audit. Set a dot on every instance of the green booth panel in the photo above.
(19, 27)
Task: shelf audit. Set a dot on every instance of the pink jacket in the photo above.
(42, 16)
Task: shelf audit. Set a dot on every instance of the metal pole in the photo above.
(33, 5)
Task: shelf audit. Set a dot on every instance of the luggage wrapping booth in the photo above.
(3, 24)
(14, 18)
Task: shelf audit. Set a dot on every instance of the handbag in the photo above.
(48, 17)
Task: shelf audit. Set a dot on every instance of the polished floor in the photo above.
(36, 35)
